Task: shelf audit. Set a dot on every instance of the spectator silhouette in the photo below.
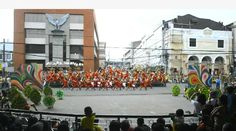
(125, 126)
(179, 116)
(140, 123)
(213, 99)
(31, 120)
(162, 121)
(181, 127)
(157, 127)
(114, 125)
(231, 100)
(63, 126)
(218, 115)
(228, 127)
(199, 103)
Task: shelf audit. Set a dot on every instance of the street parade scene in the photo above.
(60, 72)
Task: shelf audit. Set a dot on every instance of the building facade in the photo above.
(129, 56)
(102, 54)
(56, 36)
(189, 40)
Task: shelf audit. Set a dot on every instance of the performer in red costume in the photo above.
(74, 81)
(64, 82)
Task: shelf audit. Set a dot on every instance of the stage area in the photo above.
(156, 101)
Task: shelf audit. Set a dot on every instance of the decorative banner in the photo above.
(27, 74)
(199, 76)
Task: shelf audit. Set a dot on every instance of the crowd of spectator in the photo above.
(215, 114)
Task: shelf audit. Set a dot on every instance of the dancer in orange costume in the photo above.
(74, 81)
(117, 83)
(69, 74)
(64, 82)
(49, 77)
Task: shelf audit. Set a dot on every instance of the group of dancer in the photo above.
(104, 78)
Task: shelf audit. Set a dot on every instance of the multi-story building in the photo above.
(129, 55)
(148, 53)
(189, 40)
(6, 62)
(102, 54)
(56, 36)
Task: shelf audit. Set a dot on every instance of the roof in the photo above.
(193, 22)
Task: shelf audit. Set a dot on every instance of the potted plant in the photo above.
(60, 94)
(49, 101)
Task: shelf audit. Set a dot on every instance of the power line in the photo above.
(117, 47)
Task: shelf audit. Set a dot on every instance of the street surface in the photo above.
(156, 101)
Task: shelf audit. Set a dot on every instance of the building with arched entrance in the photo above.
(189, 40)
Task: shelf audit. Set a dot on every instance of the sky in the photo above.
(119, 27)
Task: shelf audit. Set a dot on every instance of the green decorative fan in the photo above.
(175, 90)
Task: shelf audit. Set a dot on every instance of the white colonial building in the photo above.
(187, 40)
(190, 40)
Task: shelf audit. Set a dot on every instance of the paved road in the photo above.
(154, 101)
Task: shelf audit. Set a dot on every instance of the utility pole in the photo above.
(3, 59)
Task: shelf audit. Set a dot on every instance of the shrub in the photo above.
(13, 93)
(175, 90)
(47, 91)
(19, 102)
(27, 91)
(49, 101)
(60, 94)
(35, 96)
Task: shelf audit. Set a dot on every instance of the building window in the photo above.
(76, 49)
(192, 42)
(76, 34)
(176, 57)
(32, 48)
(50, 51)
(35, 17)
(76, 19)
(220, 43)
(34, 33)
(0, 56)
(64, 50)
(8, 56)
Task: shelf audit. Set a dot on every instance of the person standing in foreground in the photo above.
(87, 122)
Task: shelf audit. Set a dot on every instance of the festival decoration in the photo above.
(35, 96)
(199, 76)
(189, 92)
(27, 74)
(27, 91)
(17, 99)
(175, 90)
(60, 94)
(49, 101)
(47, 91)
